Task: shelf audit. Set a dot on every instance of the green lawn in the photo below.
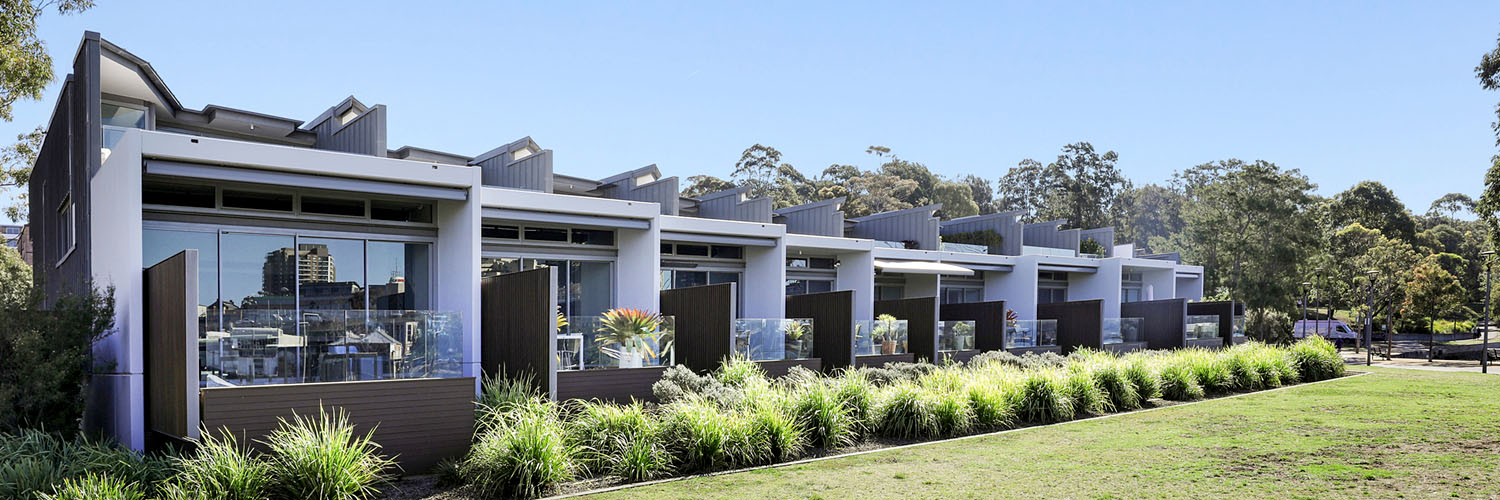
(1392, 434)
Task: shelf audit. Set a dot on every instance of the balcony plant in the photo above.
(796, 340)
(885, 333)
(634, 330)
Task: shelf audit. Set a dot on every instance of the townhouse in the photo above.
(262, 263)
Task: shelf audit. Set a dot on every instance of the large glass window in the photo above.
(584, 288)
(962, 295)
(162, 244)
(805, 286)
(399, 275)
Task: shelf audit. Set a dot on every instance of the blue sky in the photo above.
(1344, 91)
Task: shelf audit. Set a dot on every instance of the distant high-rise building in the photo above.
(284, 269)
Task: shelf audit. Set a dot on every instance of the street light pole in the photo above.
(1305, 286)
(1370, 318)
(1484, 352)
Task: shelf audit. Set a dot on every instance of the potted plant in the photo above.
(634, 330)
(796, 339)
(885, 332)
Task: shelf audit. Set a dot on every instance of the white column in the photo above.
(1017, 287)
(1103, 284)
(117, 397)
(638, 268)
(764, 283)
(1161, 282)
(856, 273)
(456, 273)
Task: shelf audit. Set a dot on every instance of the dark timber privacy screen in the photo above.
(989, 324)
(518, 331)
(833, 325)
(1165, 321)
(704, 317)
(1080, 323)
(172, 347)
(921, 323)
(1225, 310)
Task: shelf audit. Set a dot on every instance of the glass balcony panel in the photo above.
(1029, 333)
(1239, 326)
(277, 346)
(1123, 330)
(876, 337)
(956, 335)
(1202, 327)
(773, 339)
(586, 343)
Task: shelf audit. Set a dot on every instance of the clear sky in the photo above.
(1344, 91)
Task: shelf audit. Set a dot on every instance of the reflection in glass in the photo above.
(956, 335)
(579, 346)
(399, 276)
(880, 336)
(773, 339)
(1028, 333)
(1202, 326)
(161, 244)
(1123, 330)
(330, 273)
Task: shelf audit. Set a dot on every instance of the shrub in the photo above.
(46, 356)
(323, 458)
(33, 462)
(1028, 361)
(1086, 396)
(738, 371)
(1268, 325)
(903, 412)
(96, 487)
(221, 469)
(522, 457)
(1243, 370)
(500, 395)
(991, 406)
(1317, 359)
(951, 412)
(1275, 366)
(828, 422)
(1043, 399)
(1143, 379)
(775, 436)
(679, 383)
(1178, 382)
(1111, 378)
(601, 431)
(1209, 371)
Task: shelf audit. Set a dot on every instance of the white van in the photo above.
(1327, 328)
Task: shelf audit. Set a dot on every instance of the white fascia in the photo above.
(828, 244)
(521, 199)
(194, 149)
(721, 227)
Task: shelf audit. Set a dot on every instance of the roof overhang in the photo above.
(916, 267)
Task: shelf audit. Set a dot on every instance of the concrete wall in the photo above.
(1017, 287)
(856, 273)
(1189, 288)
(1103, 285)
(764, 290)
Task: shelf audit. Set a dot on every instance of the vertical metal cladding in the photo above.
(916, 226)
(1006, 224)
(364, 134)
(732, 204)
(823, 218)
(1104, 235)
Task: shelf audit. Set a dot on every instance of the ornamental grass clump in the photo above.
(221, 469)
(951, 412)
(903, 411)
(1178, 383)
(701, 437)
(34, 462)
(1044, 399)
(642, 458)
(1275, 366)
(522, 456)
(95, 487)
(1317, 359)
(1246, 376)
(993, 408)
(1209, 370)
(827, 421)
(1109, 375)
(602, 431)
(323, 458)
(775, 435)
(856, 393)
(1143, 379)
(1087, 397)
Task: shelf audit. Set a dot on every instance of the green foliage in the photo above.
(28, 68)
(1044, 398)
(323, 458)
(34, 462)
(993, 405)
(739, 371)
(520, 456)
(1178, 383)
(828, 422)
(904, 412)
(1082, 186)
(1028, 361)
(1091, 246)
(47, 353)
(951, 412)
(221, 469)
(1143, 379)
(640, 459)
(1432, 291)
(704, 438)
(776, 434)
(96, 487)
(1087, 397)
(499, 395)
(602, 432)
(1317, 359)
(986, 237)
(1268, 325)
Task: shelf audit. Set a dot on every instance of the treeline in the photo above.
(1259, 230)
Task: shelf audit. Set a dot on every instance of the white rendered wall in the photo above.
(117, 395)
(457, 268)
(1104, 284)
(764, 283)
(1017, 287)
(1161, 283)
(1190, 288)
(638, 268)
(856, 273)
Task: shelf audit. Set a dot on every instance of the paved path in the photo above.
(1443, 365)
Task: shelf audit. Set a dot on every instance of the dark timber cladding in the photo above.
(68, 159)
(1225, 310)
(172, 346)
(610, 384)
(879, 360)
(833, 325)
(988, 318)
(921, 323)
(419, 421)
(518, 329)
(704, 318)
(1079, 323)
(1165, 321)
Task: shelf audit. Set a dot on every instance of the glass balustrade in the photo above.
(1124, 330)
(880, 337)
(593, 342)
(773, 339)
(1020, 334)
(1202, 327)
(1238, 327)
(277, 346)
(956, 335)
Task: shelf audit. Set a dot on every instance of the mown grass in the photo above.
(1392, 434)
